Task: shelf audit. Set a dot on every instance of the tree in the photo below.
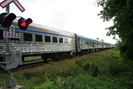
(121, 12)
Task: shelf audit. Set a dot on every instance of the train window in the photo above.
(27, 37)
(47, 39)
(85, 42)
(65, 40)
(81, 41)
(38, 38)
(1, 35)
(60, 40)
(55, 39)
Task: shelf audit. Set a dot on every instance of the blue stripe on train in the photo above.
(43, 32)
(54, 34)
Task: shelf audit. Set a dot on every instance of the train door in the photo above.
(77, 44)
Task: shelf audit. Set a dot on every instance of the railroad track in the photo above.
(32, 63)
(29, 64)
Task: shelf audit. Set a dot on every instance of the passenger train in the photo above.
(50, 42)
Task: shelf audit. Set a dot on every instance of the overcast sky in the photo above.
(77, 16)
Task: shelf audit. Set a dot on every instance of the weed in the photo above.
(101, 70)
(85, 81)
(79, 62)
(57, 84)
(91, 68)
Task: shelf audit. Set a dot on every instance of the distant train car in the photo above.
(88, 45)
(49, 42)
(106, 45)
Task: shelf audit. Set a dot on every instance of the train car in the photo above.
(87, 45)
(40, 40)
(106, 45)
(49, 42)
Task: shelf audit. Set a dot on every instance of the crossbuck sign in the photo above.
(5, 3)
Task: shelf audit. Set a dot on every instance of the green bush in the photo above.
(116, 67)
(94, 70)
(79, 62)
(91, 68)
(85, 81)
(87, 72)
(56, 84)
(86, 65)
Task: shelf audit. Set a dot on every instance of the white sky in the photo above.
(77, 16)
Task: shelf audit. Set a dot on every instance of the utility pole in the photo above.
(10, 81)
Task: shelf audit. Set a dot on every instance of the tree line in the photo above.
(121, 12)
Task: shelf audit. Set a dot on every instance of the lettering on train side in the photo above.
(26, 49)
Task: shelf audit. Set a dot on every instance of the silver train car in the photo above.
(49, 42)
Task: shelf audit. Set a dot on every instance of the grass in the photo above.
(32, 57)
(100, 70)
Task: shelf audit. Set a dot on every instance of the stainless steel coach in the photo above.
(49, 42)
(40, 40)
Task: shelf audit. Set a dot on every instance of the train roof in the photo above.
(89, 39)
(37, 28)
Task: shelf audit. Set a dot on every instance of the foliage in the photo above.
(91, 68)
(85, 81)
(79, 62)
(115, 67)
(121, 12)
(57, 84)
(100, 70)
(81, 81)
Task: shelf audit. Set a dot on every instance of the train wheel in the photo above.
(55, 57)
(63, 56)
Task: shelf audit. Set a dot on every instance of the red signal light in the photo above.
(23, 23)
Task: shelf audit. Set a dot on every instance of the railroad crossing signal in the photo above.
(23, 23)
(6, 19)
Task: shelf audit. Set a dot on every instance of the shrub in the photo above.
(56, 84)
(85, 81)
(91, 68)
(115, 67)
(79, 62)
(94, 70)
(86, 65)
